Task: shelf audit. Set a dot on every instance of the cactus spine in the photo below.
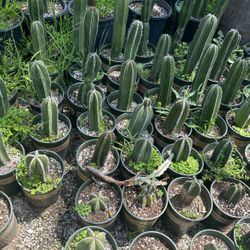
(177, 116)
(234, 79)
(221, 8)
(40, 78)
(202, 38)
(49, 112)
(4, 157)
(103, 146)
(142, 150)
(36, 9)
(140, 118)
(210, 246)
(230, 42)
(242, 118)
(147, 196)
(127, 84)
(4, 101)
(119, 31)
(234, 194)
(98, 202)
(182, 149)
(166, 80)
(133, 40)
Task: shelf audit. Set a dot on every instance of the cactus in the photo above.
(36, 10)
(94, 241)
(162, 49)
(4, 157)
(234, 193)
(190, 190)
(182, 149)
(127, 84)
(211, 106)
(119, 30)
(166, 80)
(177, 116)
(83, 92)
(39, 76)
(242, 118)
(230, 42)
(38, 39)
(38, 165)
(46, 5)
(203, 72)
(103, 146)
(147, 196)
(4, 101)
(233, 81)
(202, 38)
(94, 110)
(221, 8)
(142, 150)
(49, 113)
(222, 153)
(210, 246)
(200, 6)
(98, 202)
(133, 40)
(91, 23)
(140, 118)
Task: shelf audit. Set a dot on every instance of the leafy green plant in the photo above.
(190, 166)
(184, 212)
(83, 209)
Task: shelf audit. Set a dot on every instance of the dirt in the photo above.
(201, 241)
(248, 155)
(115, 76)
(149, 242)
(106, 53)
(4, 212)
(73, 96)
(156, 12)
(114, 104)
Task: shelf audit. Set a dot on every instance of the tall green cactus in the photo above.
(98, 202)
(38, 39)
(140, 118)
(49, 111)
(210, 246)
(230, 42)
(95, 110)
(221, 8)
(127, 84)
(233, 81)
(182, 149)
(177, 116)
(36, 9)
(133, 40)
(46, 4)
(162, 49)
(83, 92)
(242, 118)
(102, 148)
(234, 193)
(202, 38)
(147, 196)
(40, 78)
(4, 157)
(4, 101)
(166, 80)
(142, 150)
(119, 31)
(200, 6)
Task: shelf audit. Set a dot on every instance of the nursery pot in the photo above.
(111, 84)
(241, 221)
(146, 58)
(8, 182)
(179, 83)
(105, 224)
(247, 158)
(9, 230)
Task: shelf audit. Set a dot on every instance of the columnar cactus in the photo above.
(46, 5)
(127, 84)
(166, 80)
(233, 81)
(142, 150)
(221, 8)
(4, 157)
(242, 118)
(234, 194)
(140, 118)
(162, 49)
(230, 42)
(210, 246)
(40, 78)
(147, 196)
(38, 165)
(133, 40)
(202, 38)
(49, 111)
(83, 92)
(200, 6)
(182, 149)
(36, 9)
(177, 116)
(98, 202)
(119, 31)
(103, 146)
(4, 101)
(38, 39)
(95, 110)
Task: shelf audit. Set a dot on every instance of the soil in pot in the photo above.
(247, 155)
(180, 67)
(241, 234)
(106, 53)
(114, 104)
(4, 212)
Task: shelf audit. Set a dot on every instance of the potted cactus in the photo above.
(88, 237)
(40, 176)
(98, 203)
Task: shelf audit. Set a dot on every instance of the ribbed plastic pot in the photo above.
(241, 221)
(147, 58)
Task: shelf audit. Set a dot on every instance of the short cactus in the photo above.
(234, 193)
(4, 157)
(182, 149)
(242, 118)
(98, 202)
(210, 246)
(142, 150)
(38, 165)
(127, 84)
(221, 8)
(140, 118)
(102, 148)
(40, 78)
(147, 196)
(233, 81)
(49, 111)
(36, 9)
(4, 101)
(177, 116)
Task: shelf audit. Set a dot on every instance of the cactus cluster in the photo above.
(142, 150)
(182, 149)
(4, 157)
(4, 101)
(98, 202)
(234, 193)
(210, 246)
(242, 118)
(147, 196)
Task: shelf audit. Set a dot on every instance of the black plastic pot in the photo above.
(178, 223)
(245, 82)
(8, 232)
(246, 49)
(179, 83)
(60, 146)
(241, 221)
(105, 224)
(146, 59)
(109, 237)
(8, 182)
(165, 239)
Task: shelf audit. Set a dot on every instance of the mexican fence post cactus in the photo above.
(234, 194)
(127, 84)
(221, 8)
(147, 196)
(36, 9)
(4, 101)
(242, 118)
(210, 246)
(142, 150)
(182, 149)
(98, 202)
(4, 157)
(83, 91)
(200, 6)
